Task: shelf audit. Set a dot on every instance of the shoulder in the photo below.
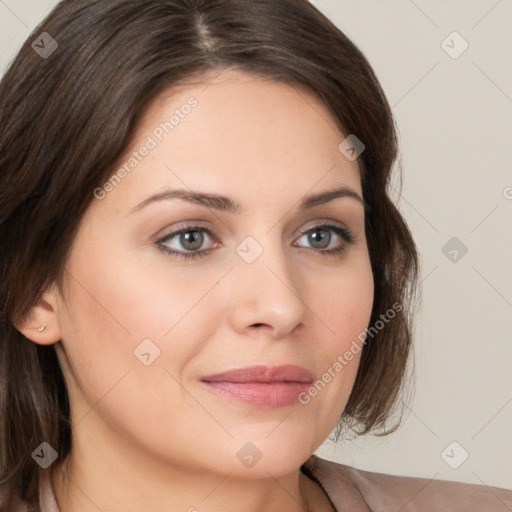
(379, 491)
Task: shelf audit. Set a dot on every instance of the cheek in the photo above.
(127, 295)
(345, 305)
(112, 309)
(123, 312)
(344, 309)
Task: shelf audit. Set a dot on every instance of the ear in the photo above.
(41, 324)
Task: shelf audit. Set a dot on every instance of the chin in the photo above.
(274, 454)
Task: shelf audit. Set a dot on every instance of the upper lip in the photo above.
(284, 373)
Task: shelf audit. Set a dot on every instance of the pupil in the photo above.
(187, 239)
(315, 238)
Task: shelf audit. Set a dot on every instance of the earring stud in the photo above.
(42, 328)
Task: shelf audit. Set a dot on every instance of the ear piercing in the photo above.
(42, 328)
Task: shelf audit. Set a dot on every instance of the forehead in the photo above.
(240, 132)
(246, 104)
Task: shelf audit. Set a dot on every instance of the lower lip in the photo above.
(270, 395)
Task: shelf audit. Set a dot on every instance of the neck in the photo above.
(93, 480)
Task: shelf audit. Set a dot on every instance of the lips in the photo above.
(263, 374)
(261, 386)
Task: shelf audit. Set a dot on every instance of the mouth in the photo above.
(262, 386)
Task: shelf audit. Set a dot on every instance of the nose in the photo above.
(268, 295)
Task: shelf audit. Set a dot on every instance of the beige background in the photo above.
(455, 121)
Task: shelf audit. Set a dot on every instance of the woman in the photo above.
(202, 271)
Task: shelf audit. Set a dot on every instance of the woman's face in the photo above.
(140, 329)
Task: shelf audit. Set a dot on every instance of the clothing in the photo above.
(355, 490)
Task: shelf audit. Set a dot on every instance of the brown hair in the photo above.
(67, 117)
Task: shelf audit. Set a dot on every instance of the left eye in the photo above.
(191, 238)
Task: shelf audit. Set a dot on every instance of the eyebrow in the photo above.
(226, 204)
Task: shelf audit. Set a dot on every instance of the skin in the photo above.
(152, 437)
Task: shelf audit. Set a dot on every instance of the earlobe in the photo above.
(41, 325)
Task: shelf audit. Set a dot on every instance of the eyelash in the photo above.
(344, 233)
